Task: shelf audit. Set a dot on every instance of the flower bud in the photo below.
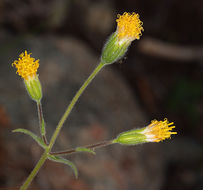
(34, 89)
(113, 51)
(155, 132)
(129, 28)
(131, 137)
(27, 68)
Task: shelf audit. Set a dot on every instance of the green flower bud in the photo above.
(113, 51)
(131, 137)
(129, 28)
(156, 131)
(34, 88)
(27, 68)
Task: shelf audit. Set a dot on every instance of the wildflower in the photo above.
(156, 131)
(129, 28)
(27, 68)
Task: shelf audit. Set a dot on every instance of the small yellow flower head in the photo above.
(129, 26)
(158, 131)
(26, 66)
(155, 132)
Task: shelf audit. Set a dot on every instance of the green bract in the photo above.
(114, 50)
(34, 88)
(131, 137)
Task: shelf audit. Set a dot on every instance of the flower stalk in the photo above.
(59, 126)
(73, 102)
(35, 170)
(41, 122)
(129, 28)
(75, 150)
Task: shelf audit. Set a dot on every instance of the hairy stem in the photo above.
(35, 170)
(72, 104)
(58, 128)
(92, 146)
(41, 122)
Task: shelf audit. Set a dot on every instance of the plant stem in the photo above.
(58, 128)
(35, 170)
(92, 146)
(41, 122)
(72, 103)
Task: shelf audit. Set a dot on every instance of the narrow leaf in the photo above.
(64, 161)
(83, 149)
(31, 134)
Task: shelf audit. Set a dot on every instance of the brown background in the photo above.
(161, 76)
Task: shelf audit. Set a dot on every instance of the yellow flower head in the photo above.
(129, 26)
(26, 66)
(158, 130)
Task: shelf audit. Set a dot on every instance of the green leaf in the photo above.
(31, 134)
(64, 161)
(83, 149)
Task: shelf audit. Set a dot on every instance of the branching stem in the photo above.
(58, 128)
(92, 147)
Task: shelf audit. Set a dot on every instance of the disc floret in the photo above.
(129, 26)
(26, 66)
(158, 130)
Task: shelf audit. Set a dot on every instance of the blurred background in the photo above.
(160, 76)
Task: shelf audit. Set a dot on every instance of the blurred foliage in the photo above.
(184, 98)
